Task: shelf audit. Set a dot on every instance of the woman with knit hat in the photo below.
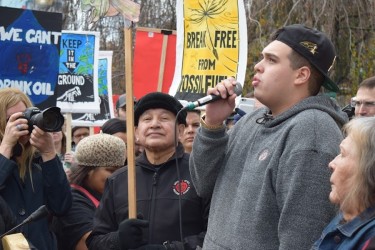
(165, 195)
(98, 157)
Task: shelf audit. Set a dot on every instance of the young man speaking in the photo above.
(268, 177)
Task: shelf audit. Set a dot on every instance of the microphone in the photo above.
(349, 110)
(211, 98)
(38, 214)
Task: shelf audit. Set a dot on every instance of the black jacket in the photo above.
(157, 200)
(71, 227)
(7, 219)
(46, 185)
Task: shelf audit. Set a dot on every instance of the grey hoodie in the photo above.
(269, 177)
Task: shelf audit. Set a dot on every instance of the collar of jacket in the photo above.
(143, 161)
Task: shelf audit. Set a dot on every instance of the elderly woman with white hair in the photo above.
(353, 189)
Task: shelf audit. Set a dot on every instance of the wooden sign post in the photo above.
(132, 198)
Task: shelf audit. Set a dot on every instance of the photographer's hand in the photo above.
(43, 141)
(15, 129)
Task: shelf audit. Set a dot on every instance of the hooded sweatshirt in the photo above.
(269, 176)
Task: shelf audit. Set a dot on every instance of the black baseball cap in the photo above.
(313, 45)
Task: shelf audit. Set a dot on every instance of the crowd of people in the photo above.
(294, 173)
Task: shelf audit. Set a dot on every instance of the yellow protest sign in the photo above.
(211, 48)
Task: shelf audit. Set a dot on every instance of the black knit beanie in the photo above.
(157, 100)
(113, 126)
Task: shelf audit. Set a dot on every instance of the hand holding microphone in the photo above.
(222, 92)
(224, 98)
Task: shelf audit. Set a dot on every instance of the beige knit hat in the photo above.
(101, 150)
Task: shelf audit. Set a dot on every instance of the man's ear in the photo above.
(181, 129)
(303, 75)
(136, 133)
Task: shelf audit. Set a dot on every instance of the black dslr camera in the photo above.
(49, 120)
(349, 110)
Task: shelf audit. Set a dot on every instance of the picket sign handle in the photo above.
(132, 199)
(68, 131)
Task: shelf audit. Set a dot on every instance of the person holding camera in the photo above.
(31, 173)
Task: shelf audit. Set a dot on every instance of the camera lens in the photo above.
(36, 119)
(52, 119)
(49, 120)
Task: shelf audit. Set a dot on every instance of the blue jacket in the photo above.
(49, 186)
(351, 235)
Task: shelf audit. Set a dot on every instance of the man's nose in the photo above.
(362, 110)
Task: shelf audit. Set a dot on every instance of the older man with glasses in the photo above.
(364, 101)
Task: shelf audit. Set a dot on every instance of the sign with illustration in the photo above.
(211, 46)
(77, 85)
(29, 49)
(105, 95)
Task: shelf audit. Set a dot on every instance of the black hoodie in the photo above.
(157, 200)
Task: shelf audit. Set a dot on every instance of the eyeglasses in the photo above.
(358, 103)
